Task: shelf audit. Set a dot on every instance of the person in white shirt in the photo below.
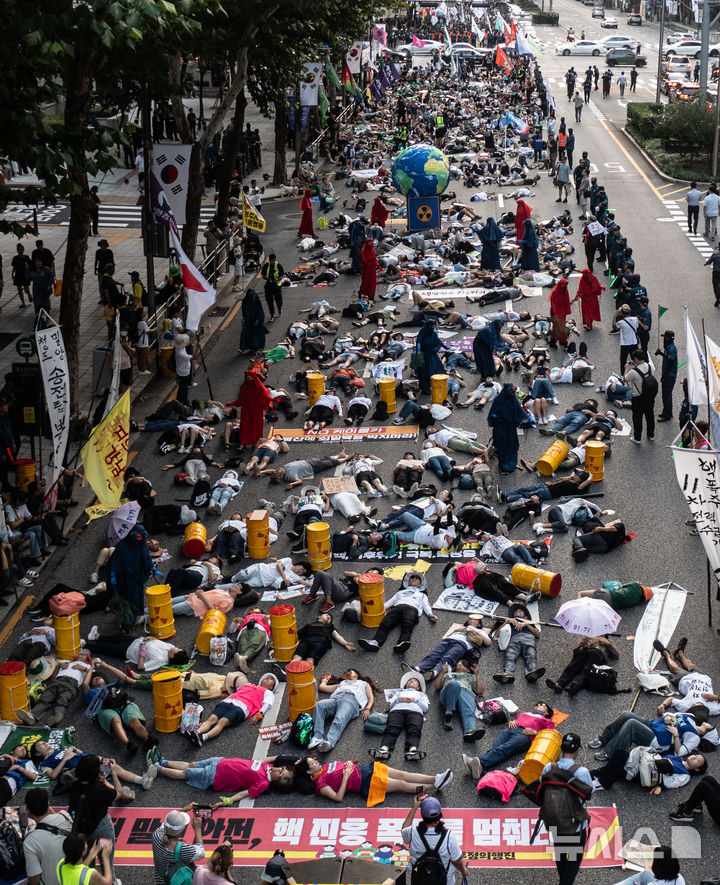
(711, 204)
(224, 491)
(34, 643)
(407, 711)
(694, 687)
(326, 406)
(352, 696)
(62, 688)
(454, 440)
(432, 833)
(403, 610)
(43, 847)
(692, 198)
(272, 575)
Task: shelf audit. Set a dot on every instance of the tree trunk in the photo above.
(227, 167)
(280, 171)
(77, 102)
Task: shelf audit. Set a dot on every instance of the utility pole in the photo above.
(147, 201)
(704, 47)
(716, 139)
(660, 55)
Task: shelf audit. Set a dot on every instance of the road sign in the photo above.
(423, 212)
(26, 347)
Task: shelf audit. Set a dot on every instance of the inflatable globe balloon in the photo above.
(421, 170)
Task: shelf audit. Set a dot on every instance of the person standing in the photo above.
(607, 81)
(43, 847)
(272, 273)
(578, 102)
(643, 399)
(622, 83)
(587, 85)
(714, 259)
(505, 416)
(562, 180)
(596, 76)
(668, 373)
(167, 838)
(692, 198)
(711, 203)
(95, 218)
(633, 79)
(41, 278)
(306, 222)
(431, 835)
(570, 146)
(21, 274)
(627, 327)
(103, 256)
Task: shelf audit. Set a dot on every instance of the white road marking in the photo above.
(262, 747)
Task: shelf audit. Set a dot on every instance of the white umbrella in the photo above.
(587, 617)
(122, 521)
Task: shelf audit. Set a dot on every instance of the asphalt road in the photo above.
(640, 485)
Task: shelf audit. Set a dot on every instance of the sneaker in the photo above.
(532, 597)
(311, 597)
(398, 421)
(241, 662)
(195, 738)
(94, 578)
(401, 646)
(368, 644)
(595, 744)
(324, 747)
(326, 607)
(25, 582)
(597, 786)
(148, 779)
(472, 766)
(26, 717)
(94, 633)
(539, 529)
(444, 779)
(399, 491)
(534, 675)
(602, 756)
(651, 438)
(633, 440)
(682, 814)
(314, 742)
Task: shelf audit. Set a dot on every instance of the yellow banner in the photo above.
(105, 455)
(252, 219)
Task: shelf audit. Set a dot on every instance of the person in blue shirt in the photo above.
(678, 733)
(569, 850)
(668, 373)
(15, 770)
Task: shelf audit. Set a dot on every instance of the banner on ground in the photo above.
(348, 434)
(698, 475)
(56, 382)
(171, 165)
(252, 219)
(490, 837)
(104, 455)
(658, 621)
(388, 369)
(309, 82)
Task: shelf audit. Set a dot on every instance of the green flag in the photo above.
(331, 74)
(662, 310)
(323, 104)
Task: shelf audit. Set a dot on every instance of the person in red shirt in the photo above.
(242, 777)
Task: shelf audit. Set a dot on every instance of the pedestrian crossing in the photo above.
(124, 215)
(679, 214)
(643, 82)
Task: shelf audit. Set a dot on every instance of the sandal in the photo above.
(415, 755)
(379, 753)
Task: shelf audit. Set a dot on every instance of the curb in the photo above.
(651, 163)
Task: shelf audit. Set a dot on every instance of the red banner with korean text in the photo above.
(489, 837)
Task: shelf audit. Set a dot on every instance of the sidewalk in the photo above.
(126, 245)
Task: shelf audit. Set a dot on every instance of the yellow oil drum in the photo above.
(24, 472)
(319, 555)
(283, 632)
(372, 599)
(67, 635)
(595, 459)
(165, 354)
(258, 534)
(386, 386)
(167, 700)
(213, 624)
(13, 690)
(527, 577)
(300, 688)
(548, 463)
(438, 389)
(544, 749)
(195, 537)
(316, 386)
(160, 613)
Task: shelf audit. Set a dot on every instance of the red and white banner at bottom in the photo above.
(489, 837)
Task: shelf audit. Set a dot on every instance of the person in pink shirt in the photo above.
(248, 701)
(200, 602)
(241, 777)
(515, 738)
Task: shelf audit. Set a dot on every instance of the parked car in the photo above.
(625, 57)
(581, 47)
(634, 19)
(675, 38)
(691, 48)
(609, 23)
(620, 41)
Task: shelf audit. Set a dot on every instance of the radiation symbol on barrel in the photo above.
(423, 213)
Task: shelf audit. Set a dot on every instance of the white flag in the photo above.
(713, 369)
(309, 83)
(56, 382)
(354, 57)
(171, 165)
(698, 475)
(200, 294)
(696, 371)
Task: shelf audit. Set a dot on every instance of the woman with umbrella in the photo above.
(506, 415)
(559, 310)
(427, 347)
(306, 222)
(486, 342)
(252, 334)
(529, 255)
(490, 236)
(369, 264)
(588, 292)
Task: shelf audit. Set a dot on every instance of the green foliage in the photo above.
(644, 117)
(678, 137)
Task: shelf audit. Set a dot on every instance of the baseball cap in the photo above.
(570, 743)
(430, 808)
(176, 823)
(134, 273)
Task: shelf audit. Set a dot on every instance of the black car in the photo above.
(634, 19)
(624, 57)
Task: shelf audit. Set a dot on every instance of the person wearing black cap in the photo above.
(430, 834)
(569, 849)
(668, 373)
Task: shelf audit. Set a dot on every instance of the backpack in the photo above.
(490, 712)
(179, 872)
(602, 680)
(12, 859)
(428, 869)
(201, 495)
(302, 730)
(649, 388)
(560, 796)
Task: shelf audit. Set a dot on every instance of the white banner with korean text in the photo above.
(698, 475)
(56, 381)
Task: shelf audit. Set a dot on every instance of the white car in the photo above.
(619, 41)
(581, 47)
(609, 23)
(467, 50)
(691, 48)
(429, 47)
(675, 38)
